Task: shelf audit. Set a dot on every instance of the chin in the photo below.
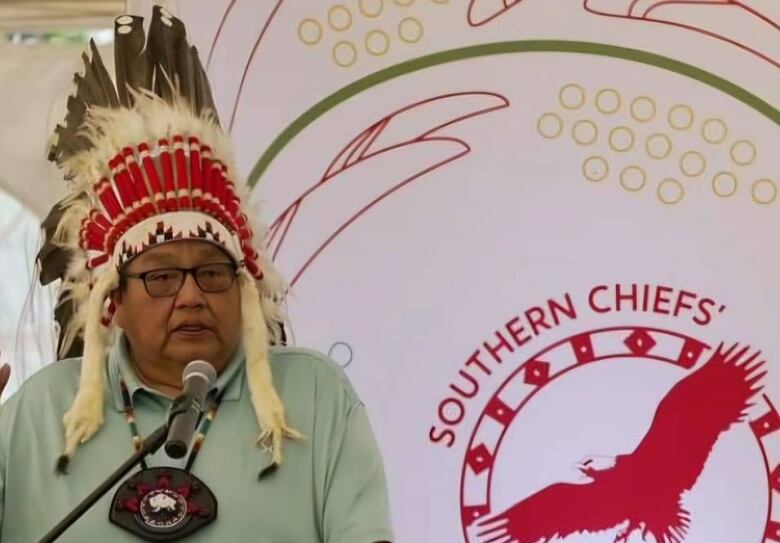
(188, 353)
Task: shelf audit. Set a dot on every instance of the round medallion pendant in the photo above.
(163, 509)
(163, 504)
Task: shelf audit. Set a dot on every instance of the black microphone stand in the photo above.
(150, 445)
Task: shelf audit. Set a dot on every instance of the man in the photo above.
(159, 267)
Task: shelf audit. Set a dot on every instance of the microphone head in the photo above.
(176, 449)
(199, 369)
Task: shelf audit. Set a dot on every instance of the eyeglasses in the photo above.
(162, 283)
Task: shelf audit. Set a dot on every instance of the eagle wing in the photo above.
(559, 510)
(690, 419)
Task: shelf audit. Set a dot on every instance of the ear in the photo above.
(116, 299)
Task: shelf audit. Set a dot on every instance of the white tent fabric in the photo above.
(29, 346)
(18, 15)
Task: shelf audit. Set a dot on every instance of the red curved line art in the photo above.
(727, 3)
(249, 62)
(361, 149)
(756, 13)
(466, 149)
(218, 35)
(363, 142)
(663, 2)
(473, 21)
(684, 2)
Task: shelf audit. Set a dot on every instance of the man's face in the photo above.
(189, 325)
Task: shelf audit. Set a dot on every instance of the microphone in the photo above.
(197, 378)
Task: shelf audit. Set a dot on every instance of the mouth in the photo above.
(192, 330)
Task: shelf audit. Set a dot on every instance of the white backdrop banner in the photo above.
(525, 229)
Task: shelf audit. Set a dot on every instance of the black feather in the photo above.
(104, 79)
(61, 468)
(161, 48)
(77, 110)
(83, 91)
(53, 261)
(92, 84)
(63, 314)
(184, 76)
(162, 62)
(51, 258)
(268, 470)
(132, 70)
(204, 101)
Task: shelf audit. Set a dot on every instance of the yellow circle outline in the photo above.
(608, 111)
(330, 17)
(316, 24)
(404, 3)
(441, 1)
(553, 115)
(596, 158)
(715, 184)
(630, 188)
(379, 33)
(749, 144)
(411, 20)
(584, 122)
(368, 15)
(714, 120)
(671, 112)
(577, 87)
(670, 180)
(663, 136)
(693, 153)
(634, 114)
(354, 53)
(753, 191)
(615, 147)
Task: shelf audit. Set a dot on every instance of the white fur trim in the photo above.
(85, 416)
(265, 400)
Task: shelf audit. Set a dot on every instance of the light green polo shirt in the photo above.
(330, 488)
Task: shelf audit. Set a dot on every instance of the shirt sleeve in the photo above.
(356, 508)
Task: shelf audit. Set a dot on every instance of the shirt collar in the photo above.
(120, 368)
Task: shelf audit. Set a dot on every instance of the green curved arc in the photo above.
(499, 48)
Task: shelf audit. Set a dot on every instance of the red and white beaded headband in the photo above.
(161, 192)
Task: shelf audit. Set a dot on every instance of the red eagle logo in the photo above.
(642, 490)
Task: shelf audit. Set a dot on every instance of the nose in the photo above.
(190, 294)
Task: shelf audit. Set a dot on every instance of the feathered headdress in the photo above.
(147, 163)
